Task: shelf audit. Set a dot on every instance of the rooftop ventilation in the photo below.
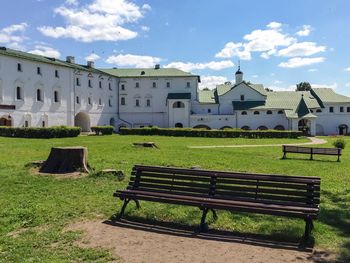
(70, 59)
(91, 64)
(157, 66)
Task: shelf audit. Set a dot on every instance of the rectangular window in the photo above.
(109, 86)
(242, 97)
(38, 95)
(347, 109)
(38, 70)
(100, 102)
(122, 101)
(137, 85)
(331, 109)
(78, 81)
(19, 67)
(109, 103)
(100, 84)
(341, 109)
(89, 100)
(78, 100)
(209, 110)
(55, 95)
(89, 83)
(43, 124)
(168, 84)
(154, 85)
(137, 103)
(19, 93)
(123, 87)
(188, 84)
(56, 74)
(148, 103)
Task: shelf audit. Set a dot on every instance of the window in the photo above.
(137, 103)
(38, 71)
(331, 109)
(122, 87)
(148, 103)
(280, 112)
(100, 102)
(43, 124)
(109, 103)
(77, 81)
(38, 95)
(89, 83)
(168, 84)
(89, 101)
(269, 112)
(209, 110)
(137, 85)
(19, 67)
(78, 100)
(178, 104)
(26, 124)
(318, 110)
(244, 113)
(100, 84)
(154, 85)
(56, 74)
(122, 101)
(242, 97)
(188, 84)
(55, 96)
(19, 93)
(109, 86)
(256, 113)
(347, 109)
(341, 109)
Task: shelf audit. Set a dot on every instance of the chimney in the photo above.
(157, 66)
(70, 59)
(91, 64)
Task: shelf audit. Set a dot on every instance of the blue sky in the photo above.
(278, 43)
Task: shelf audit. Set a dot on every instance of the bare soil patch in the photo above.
(150, 243)
(73, 175)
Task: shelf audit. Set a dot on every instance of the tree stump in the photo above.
(66, 160)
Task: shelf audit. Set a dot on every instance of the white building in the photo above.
(37, 91)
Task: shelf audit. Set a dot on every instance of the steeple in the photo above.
(239, 74)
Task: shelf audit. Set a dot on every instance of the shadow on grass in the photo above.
(308, 159)
(176, 229)
(338, 217)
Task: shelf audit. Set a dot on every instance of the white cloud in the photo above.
(45, 51)
(146, 7)
(145, 28)
(211, 81)
(300, 62)
(136, 61)
(347, 69)
(255, 76)
(232, 49)
(12, 36)
(72, 2)
(305, 31)
(92, 57)
(312, 70)
(329, 86)
(274, 25)
(213, 65)
(301, 49)
(282, 88)
(347, 85)
(102, 20)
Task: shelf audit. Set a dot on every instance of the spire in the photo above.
(239, 74)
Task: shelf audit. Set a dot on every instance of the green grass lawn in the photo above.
(43, 205)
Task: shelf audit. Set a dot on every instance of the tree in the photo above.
(303, 86)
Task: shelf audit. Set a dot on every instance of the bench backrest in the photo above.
(276, 189)
(298, 149)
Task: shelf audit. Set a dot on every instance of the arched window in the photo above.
(318, 110)
(262, 128)
(279, 128)
(246, 128)
(109, 103)
(19, 93)
(244, 113)
(89, 101)
(269, 112)
(256, 112)
(122, 101)
(148, 103)
(56, 96)
(179, 125)
(39, 96)
(178, 104)
(280, 112)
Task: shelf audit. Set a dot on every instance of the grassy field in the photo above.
(34, 209)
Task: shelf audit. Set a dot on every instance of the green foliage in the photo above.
(102, 130)
(339, 143)
(51, 132)
(303, 86)
(226, 133)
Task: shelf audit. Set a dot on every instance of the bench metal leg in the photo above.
(311, 157)
(137, 203)
(284, 155)
(308, 228)
(203, 227)
(126, 201)
(338, 158)
(215, 215)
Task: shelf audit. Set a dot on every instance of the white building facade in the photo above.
(37, 91)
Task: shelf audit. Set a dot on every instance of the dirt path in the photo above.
(139, 242)
(313, 141)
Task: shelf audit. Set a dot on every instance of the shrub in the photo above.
(190, 132)
(339, 143)
(51, 132)
(102, 130)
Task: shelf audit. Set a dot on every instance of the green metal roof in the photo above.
(147, 72)
(179, 96)
(206, 96)
(53, 61)
(329, 96)
(246, 105)
(223, 88)
(257, 87)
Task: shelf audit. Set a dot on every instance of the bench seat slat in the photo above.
(178, 183)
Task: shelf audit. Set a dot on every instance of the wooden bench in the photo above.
(288, 196)
(309, 150)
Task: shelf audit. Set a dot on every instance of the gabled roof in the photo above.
(179, 96)
(328, 95)
(48, 60)
(148, 72)
(224, 88)
(206, 96)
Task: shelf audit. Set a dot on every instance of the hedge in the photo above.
(31, 132)
(102, 130)
(189, 132)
